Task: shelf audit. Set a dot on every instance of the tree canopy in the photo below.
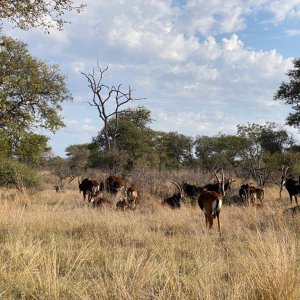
(44, 14)
(289, 93)
(31, 91)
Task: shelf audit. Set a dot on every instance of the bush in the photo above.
(14, 174)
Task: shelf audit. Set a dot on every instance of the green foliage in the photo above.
(174, 150)
(289, 93)
(27, 147)
(134, 141)
(222, 150)
(31, 148)
(31, 91)
(31, 14)
(5, 145)
(14, 174)
(266, 151)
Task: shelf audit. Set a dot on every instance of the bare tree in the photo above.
(103, 95)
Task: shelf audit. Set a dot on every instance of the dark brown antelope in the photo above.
(291, 185)
(211, 203)
(211, 198)
(113, 184)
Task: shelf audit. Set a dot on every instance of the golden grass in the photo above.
(55, 246)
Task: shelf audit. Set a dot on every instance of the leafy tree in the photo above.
(28, 14)
(134, 139)
(289, 93)
(31, 148)
(78, 159)
(219, 151)
(175, 150)
(204, 148)
(264, 141)
(31, 91)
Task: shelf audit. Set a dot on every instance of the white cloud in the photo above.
(292, 32)
(285, 9)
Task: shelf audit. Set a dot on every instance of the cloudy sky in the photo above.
(204, 66)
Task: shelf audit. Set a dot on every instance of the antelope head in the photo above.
(221, 183)
(180, 190)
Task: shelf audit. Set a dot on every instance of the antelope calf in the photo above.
(256, 193)
(122, 204)
(211, 203)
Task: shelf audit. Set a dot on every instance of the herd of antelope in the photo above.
(210, 196)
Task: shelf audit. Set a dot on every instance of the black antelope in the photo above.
(87, 187)
(190, 190)
(244, 193)
(291, 185)
(175, 200)
(249, 194)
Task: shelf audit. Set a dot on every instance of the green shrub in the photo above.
(14, 174)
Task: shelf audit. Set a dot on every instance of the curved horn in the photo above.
(178, 186)
(216, 176)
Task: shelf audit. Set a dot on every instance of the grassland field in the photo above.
(56, 246)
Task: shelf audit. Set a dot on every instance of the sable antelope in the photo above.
(86, 186)
(190, 190)
(175, 200)
(292, 185)
(132, 196)
(250, 194)
(244, 192)
(211, 203)
(113, 184)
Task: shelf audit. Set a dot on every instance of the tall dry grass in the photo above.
(55, 246)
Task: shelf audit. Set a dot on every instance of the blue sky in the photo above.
(204, 66)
